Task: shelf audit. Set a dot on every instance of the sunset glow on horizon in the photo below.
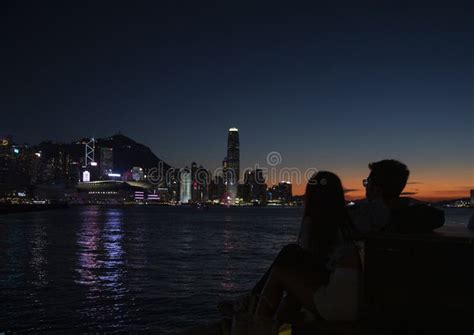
(422, 185)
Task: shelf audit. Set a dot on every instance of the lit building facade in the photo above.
(200, 178)
(106, 161)
(231, 164)
(254, 188)
(137, 173)
(233, 154)
(282, 193)
(185, 186)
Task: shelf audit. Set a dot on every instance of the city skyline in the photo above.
(326, 88)
(275, 171)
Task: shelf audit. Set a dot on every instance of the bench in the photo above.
(414, 283)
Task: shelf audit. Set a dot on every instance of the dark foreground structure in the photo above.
(414, 284)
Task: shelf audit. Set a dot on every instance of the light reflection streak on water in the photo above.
(38, 260)
(182, 267)
(112, 237)
(95, 272)
(101, 264)
(228, 276)
(88, 243)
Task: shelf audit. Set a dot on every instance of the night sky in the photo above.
(327, 87)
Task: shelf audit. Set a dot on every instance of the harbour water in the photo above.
(131, 269)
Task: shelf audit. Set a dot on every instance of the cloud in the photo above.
(458, 190)
(414, 183)
(409, 193)
(348, 190)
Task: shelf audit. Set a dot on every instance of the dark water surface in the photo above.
(156, 269)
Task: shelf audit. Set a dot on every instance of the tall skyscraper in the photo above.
(233, 157)
(231, 164)
(106, 161)
(185, 186)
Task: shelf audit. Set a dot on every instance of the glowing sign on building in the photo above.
(86, 176)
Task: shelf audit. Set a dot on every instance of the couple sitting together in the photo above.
(321, 274)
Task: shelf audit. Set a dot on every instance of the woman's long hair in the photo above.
(325, 205)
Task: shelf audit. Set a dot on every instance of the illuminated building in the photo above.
(472, 198)
(5, 145)
(200, 179)
(231, 164)
(111, 192)
(153, 197)
(216, 188)
(89, 150)
(194, 183)
(185, 186)
(286, 191)
(254, 187)
(18, 164)
(5, 149)
(233, 155)
(137, 173)
(106, 161)
(173, 185)
(283, 192)
(86, 176)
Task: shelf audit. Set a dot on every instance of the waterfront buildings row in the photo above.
(119, 170)
(101, 170)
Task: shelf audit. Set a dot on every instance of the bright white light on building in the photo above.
(233, 129)
(86, 176)
(114, 175)
(38, 154)
(93, 163)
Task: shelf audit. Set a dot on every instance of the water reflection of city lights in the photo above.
(38, 260)
(88, 244)
(100, 260)
(228, 276)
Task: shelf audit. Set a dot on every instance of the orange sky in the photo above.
(424, 184)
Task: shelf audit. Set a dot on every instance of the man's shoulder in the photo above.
(416, 218)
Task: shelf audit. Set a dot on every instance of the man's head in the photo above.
(386, 180)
